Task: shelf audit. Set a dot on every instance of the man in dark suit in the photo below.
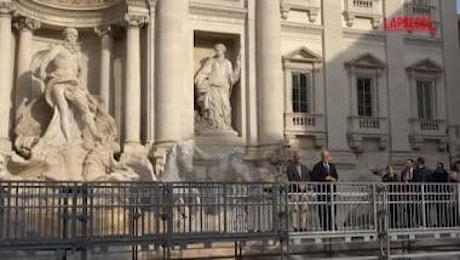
(299, 174)
(407, 175)
(422, 175)
(325, 172)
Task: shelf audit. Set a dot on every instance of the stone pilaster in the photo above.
(132, 93)
(25, 27)
(269, 72)
(6, 84)
(105, 33)
(399, 92)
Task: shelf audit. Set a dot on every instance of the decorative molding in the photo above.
(424, 41)
(312, 9)
(231, 12)
(363, 35)
(25, 23)
(302, 55)
(50, 15)
(425, 66)
(78, 4)
(366, 60)
(299, 28)
(103, 31)
(135, 20)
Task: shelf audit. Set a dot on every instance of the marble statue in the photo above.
(213, 87)
(65, 134)
(4, 173)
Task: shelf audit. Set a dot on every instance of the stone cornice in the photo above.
(364, 35)
(25, 23)
(72, 17)
(218, 11)
(422, 41)
(301, 28)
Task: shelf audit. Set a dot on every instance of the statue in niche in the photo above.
(65, 134)
(213, 87)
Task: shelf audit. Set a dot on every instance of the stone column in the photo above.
(269, 73)
(25, 26)
(132, 93)
(5, 75)
(171, 70)
(106, 57)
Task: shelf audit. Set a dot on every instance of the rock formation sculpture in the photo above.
(65, 134)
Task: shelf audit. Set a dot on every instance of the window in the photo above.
(364, 88)
(425, 99)
(301, 97)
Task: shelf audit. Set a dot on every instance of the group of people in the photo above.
(405, 198)
(323, 171)
(404, 201)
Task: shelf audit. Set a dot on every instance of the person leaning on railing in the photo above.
(325, 171)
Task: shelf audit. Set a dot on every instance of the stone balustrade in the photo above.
(369, 9)
(304, 122)
(367, 125)
(360, 128)
(422, 129)
(428, 127)
(363, 5)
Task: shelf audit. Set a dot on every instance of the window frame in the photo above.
(372, 99)
(309, 91)
(430, 111)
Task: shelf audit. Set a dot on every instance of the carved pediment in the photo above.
(366, 61)
(303, 54)
(426, 65)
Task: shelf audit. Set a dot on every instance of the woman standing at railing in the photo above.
(392, 190)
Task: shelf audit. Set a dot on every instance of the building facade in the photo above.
(253, 74)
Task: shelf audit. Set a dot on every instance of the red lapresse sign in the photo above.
(409, 24)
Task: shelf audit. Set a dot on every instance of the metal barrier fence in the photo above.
(81, 216)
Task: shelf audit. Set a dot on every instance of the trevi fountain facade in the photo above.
(221, 89)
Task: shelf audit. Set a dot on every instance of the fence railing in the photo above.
(77, 216)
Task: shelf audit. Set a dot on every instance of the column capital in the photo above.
(26, 23)
(6, 8)
(135, 20)
(103, 31)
